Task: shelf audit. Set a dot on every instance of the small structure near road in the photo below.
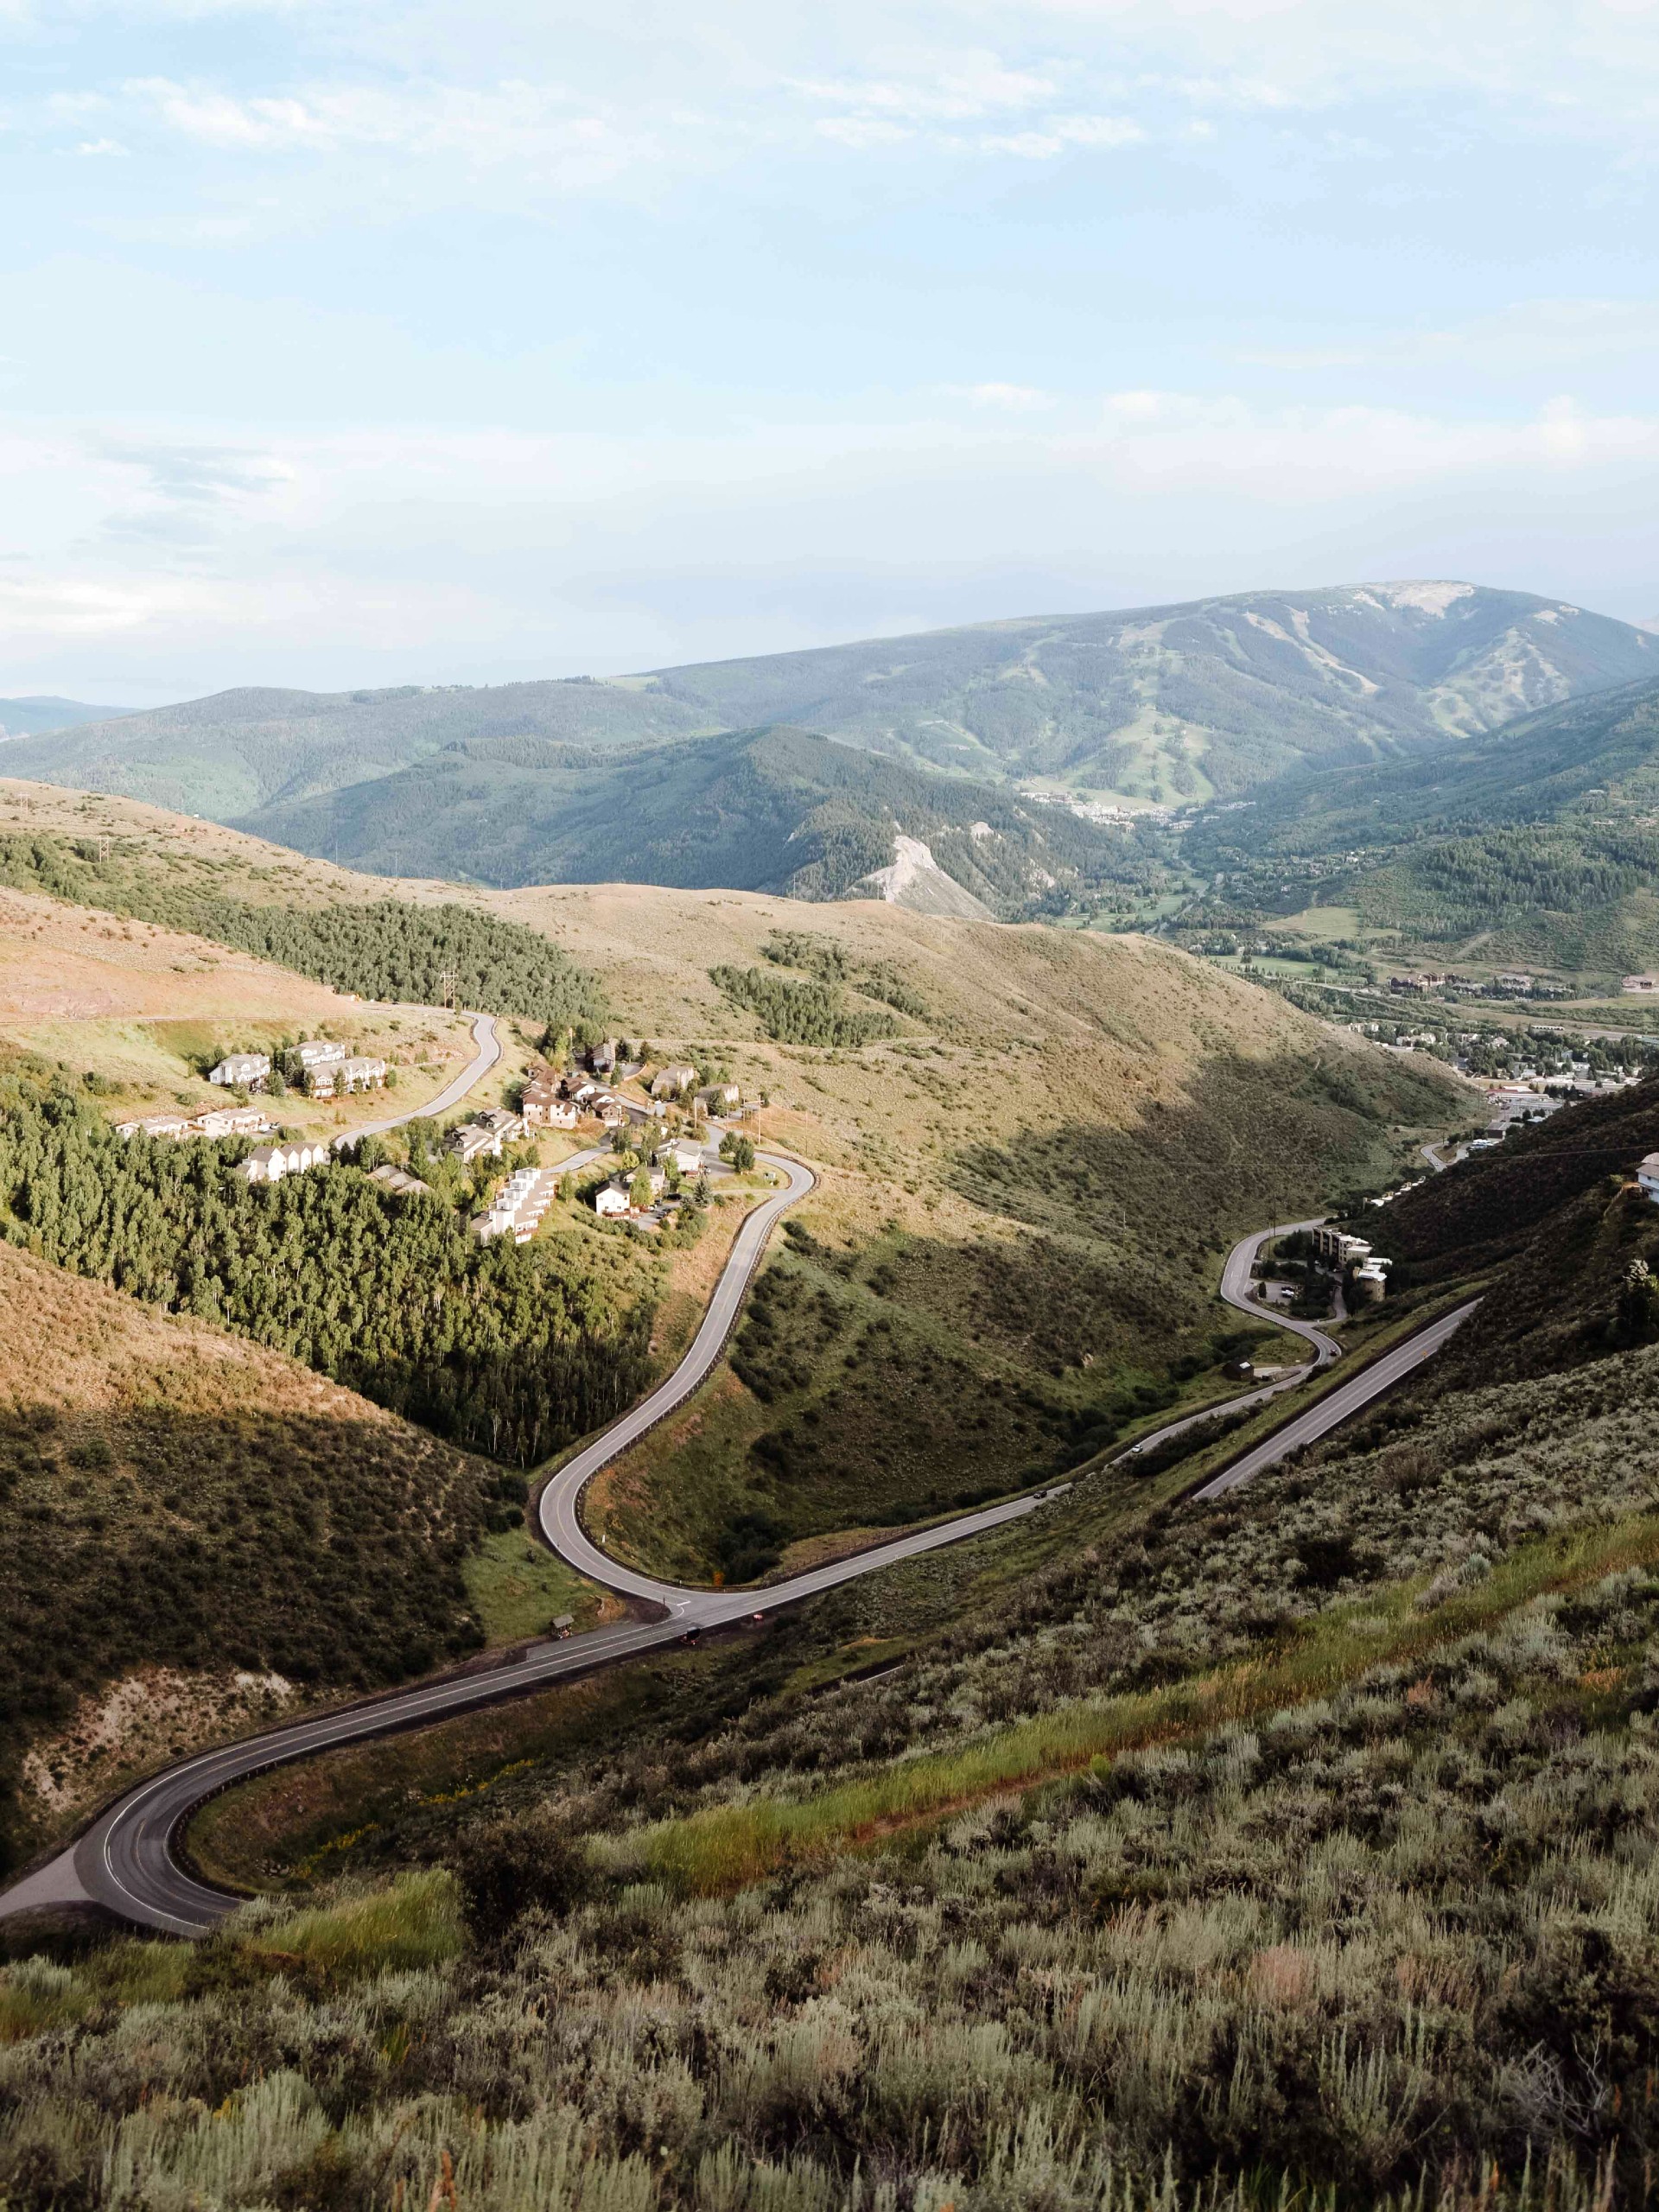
(1647, 1177)
(1641, 987)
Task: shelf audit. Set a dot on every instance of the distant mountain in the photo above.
(773, 809)
(225, 756)
(1542, 839)
(1210, 699)
(1601, 753)
(33, 717)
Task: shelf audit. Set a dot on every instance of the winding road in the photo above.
(488, 1042)
(1236, 1275)
(126, 1862)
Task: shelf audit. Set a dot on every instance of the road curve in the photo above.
(1236, 1275)
(125, 1861)
(485, 1037)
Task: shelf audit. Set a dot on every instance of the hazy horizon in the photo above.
(353, 346)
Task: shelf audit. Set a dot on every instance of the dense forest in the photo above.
(385, 949)
(794, 1012)
(509, 1349)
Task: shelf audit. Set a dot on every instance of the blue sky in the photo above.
(442, 343)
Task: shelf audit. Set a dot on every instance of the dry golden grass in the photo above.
(80, 1346)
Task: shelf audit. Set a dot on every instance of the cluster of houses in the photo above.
(216, 1121)
(683, 1156)
(327, 1070)
(560, 1102)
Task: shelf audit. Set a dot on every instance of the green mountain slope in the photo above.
(1168, 704)
(1543, 836)
(773, 809)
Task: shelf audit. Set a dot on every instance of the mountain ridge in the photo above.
(1174, 702)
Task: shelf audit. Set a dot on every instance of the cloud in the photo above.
(1011, 398)
(424, 555)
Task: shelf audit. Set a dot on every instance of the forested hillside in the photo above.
(1210, 698)
(1542, 838)
(173, 1498)
(384, 949)
(508, 1350)
(771, 809)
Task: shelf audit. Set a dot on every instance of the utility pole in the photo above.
(449, 987)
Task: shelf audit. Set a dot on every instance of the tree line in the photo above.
(385, 949)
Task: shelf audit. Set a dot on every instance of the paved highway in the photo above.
(125, 1861)
(1341, 1404)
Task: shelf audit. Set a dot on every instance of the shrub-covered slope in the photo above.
(1297, 1844)
(174, 1498)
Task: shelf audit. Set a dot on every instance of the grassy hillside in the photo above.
(775, 810)
(1293, 1845)
(198, 1531)
(1171, 704)
(1024, 1194)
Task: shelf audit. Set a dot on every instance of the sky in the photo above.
(437, 343)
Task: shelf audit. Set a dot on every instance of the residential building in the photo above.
(249, 1069)
(602, 1058)
(685, 1155)
(720, 1098)
(271, 1162)
(517, 1207)
(508, 1125)
(616, 1197)
(316, 1053)
(155, 1125)
(1370, 1282)
(1512, 981)
(399, 1182)
(1337, 1247)
(674, 1081)
(1640, 985)
(330, 1077)
(472, 1141)
(1648, 1176)
(543, 1103)
(231, 1121)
